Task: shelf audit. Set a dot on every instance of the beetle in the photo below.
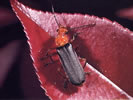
(67, 55)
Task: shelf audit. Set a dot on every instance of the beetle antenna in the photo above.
(54, 14)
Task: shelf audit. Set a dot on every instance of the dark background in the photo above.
(21, 81)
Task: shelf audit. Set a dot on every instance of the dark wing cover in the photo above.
(71, 64)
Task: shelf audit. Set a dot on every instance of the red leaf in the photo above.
(107, 46)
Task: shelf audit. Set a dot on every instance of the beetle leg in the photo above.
(83, 26)
(85, 61)
(65, 78)
(87, 73)
(66, 84)
(61, 73)
(74, 37)
(49, 56)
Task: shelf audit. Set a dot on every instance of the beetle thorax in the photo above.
(62, 37)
